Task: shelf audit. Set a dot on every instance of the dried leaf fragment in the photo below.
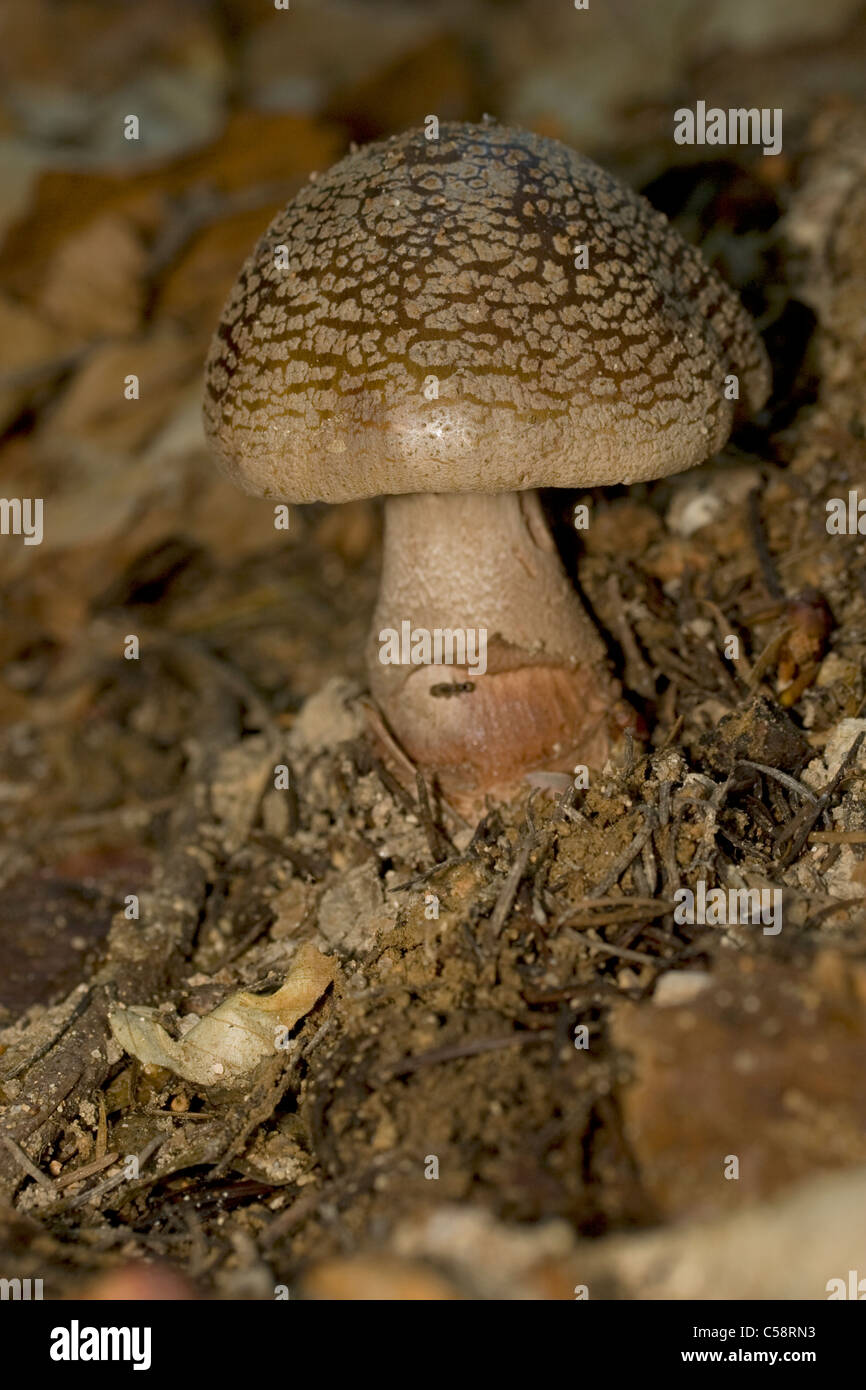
(227, 1045)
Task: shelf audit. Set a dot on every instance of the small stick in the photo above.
(673, 733)
(434, 869)
(797, 830)
(111, 1183)
(838, 837)
(470, 1049)
(86, 1170)
(620, 864)
(508, 891)
(437, 842)
(790, 782)
(769, 572)
(624, 953)
(30, 1168)
(585, 914)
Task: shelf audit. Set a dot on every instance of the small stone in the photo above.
(679, 987)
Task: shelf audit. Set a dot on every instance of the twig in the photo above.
(87, 1170)
(470, 1049)
(29, 1168)
(595, 912)
(796, 831)
(673, 732)
(438, 842)
(426, 874)
(638, 673)
(769, 573)
(257, 930)
(608, 949)
(313, 867)
(111, 1183)
(34, 1057)
(621, 863)
(838, 837)
(143, 958)
(817, 917)
(508, 892)
(787, 781)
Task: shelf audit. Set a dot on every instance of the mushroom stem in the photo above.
(517, 680)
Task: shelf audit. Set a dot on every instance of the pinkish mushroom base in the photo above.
(542, 698)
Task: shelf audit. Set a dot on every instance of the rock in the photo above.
(242, 773)
(375, 1278)
(697, 502)
(680, 987)
(138, 1283)
(277, 1156)
(822, 770)
(792, 1248)
(800, 1245)
(762, 733)
(490, 1259)
(764, 1068)
(327, 719)
(354, 910)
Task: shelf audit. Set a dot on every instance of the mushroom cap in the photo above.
(431, 332)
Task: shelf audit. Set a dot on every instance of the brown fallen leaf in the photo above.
(95, 409)
(271, 152)
(95, 285)
(28, 348)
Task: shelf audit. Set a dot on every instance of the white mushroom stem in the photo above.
(482, 570)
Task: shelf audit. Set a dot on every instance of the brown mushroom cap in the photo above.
(455, 258)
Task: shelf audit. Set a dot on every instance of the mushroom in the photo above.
(453, 323)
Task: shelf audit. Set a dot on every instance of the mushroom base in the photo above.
(481, 658)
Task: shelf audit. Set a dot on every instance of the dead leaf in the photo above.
(28, 346)
(227, 1045)
(95, 281)
(95, 408)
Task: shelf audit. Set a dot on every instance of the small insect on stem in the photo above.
(445, 691)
